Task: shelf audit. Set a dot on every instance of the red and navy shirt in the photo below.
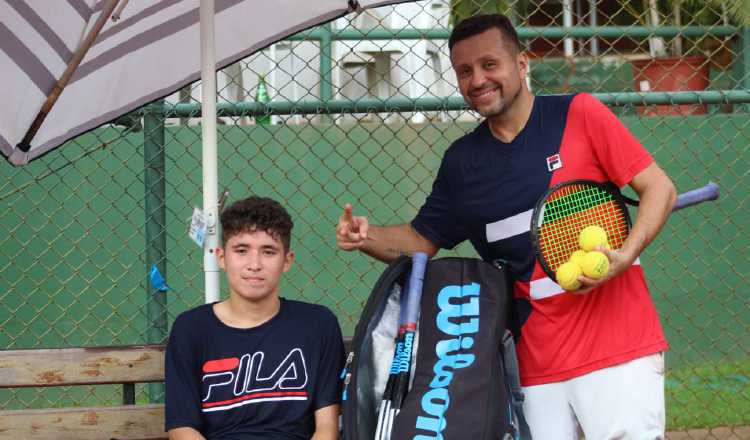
(485, 192)
(260, 383)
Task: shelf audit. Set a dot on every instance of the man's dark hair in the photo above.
(480, 23)
(257, 214)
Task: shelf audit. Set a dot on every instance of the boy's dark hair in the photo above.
(480, 23)
(257, 214)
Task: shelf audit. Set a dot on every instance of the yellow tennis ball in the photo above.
(591, 237)
(567, 276)
(577, 257)
(595, 265)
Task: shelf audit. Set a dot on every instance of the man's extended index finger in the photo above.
(347, 217)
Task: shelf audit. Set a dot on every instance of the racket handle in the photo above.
(696, 196)
(414, 294)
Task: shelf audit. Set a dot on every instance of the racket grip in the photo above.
(696, 196)
(414, 294)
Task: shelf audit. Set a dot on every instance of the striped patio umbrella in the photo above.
(68, 66)
(115, 56)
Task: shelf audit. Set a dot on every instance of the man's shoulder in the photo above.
(468, 138)
(554, 103)
(463, 144)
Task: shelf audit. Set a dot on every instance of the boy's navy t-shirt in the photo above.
(260, 383)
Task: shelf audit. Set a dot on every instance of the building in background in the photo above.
(375, 69)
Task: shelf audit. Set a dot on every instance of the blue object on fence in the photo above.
(158, 281)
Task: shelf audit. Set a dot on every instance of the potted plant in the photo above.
(677, 66)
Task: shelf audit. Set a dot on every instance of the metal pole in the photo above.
(525, 33)
(70, 69)
(427, 104)
(568, 23)
(593, 22)
(210, 162)
(326, 66)
(745, 61)
(156, 232)
(741, 67)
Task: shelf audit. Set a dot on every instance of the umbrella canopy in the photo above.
(68, 67)
(143, 50)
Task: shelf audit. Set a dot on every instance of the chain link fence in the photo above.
(360, 111)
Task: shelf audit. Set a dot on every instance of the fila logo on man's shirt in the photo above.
(241, 380)
(554, 162)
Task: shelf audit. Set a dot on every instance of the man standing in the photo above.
(254, 366)
(593, 357)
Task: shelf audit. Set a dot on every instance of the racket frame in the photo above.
(539, 208)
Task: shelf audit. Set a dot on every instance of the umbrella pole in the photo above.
(210, 166)
(25, 144)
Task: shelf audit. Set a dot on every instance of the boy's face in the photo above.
(254, 262)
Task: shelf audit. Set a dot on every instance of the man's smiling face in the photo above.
(490, 73)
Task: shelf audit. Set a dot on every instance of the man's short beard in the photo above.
(492, 111)
(504, 105)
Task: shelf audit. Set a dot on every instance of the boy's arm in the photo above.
(185, 433)
(326, 423)
(327, 389)
(182, 382)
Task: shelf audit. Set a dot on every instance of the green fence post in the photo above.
(326, 67)
(741, 67)
(156, 233)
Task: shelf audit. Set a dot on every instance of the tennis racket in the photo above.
(398, 380)
(568, 207)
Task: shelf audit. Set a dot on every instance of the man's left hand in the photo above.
(619, 262)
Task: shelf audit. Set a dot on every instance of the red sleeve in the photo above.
(619, 153)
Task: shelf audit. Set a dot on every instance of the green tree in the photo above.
(462, 9)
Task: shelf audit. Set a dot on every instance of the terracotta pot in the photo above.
(670, 75)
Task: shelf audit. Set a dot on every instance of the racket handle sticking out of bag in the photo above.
(563, 211)
(398, 378)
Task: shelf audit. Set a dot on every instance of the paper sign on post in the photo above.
(197, 231)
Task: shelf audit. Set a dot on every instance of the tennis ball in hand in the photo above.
(595, 265)
(577, 257)
(567, 276)
(591, 237)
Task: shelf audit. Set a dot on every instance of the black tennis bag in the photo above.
(464, 376)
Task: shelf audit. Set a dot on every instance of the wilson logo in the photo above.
(233, 382)
(458, 317)
(403, 354)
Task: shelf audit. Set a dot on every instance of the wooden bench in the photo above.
(126, 365)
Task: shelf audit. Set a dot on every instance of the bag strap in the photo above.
(514, 382)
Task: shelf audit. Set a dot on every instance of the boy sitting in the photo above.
(254, 366)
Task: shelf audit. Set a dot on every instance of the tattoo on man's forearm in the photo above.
(395, 252)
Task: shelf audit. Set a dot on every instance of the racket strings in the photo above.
(570, 209)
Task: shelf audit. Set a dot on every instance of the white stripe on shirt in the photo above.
(546, 287)
(509, 227)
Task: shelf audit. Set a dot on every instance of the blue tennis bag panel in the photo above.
(464, 379)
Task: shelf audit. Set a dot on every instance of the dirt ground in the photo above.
(722, 433)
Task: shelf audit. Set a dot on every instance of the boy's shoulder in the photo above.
(194, 315)
(308, 310)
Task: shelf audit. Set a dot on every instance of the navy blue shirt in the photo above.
(483, 182)
(485, 192)
(260, 383)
